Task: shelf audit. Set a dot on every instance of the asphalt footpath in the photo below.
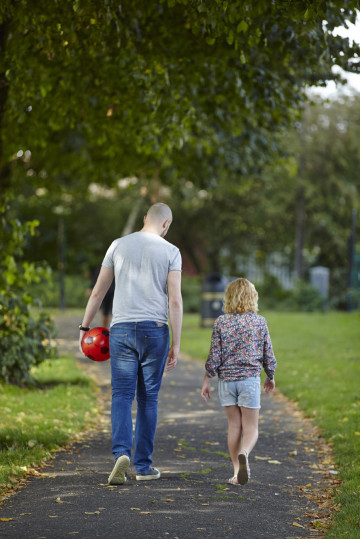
(290, 473)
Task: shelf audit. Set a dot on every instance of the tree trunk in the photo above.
(191, 253)
(130, 223)
(4, 92)
(300, 230)
(61, 262)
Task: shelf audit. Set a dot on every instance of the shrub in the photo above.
(191, 294)
(303, 297)
(75, 291)
(271, 294)
(306, 297)
(25, 341)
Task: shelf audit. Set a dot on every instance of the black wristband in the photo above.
(83, 329)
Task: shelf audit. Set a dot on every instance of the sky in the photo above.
(332, 90)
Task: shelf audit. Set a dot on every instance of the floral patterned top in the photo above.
(240, 347)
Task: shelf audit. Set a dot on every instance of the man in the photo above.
(147, 272)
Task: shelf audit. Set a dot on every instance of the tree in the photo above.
(100, 90)
(323, 159)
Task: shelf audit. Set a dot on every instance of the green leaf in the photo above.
(230, 37)
(242, 27)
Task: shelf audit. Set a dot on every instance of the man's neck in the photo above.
(150, 230)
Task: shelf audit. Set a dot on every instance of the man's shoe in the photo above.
(243, 475)
(153, 473)
(118, 474)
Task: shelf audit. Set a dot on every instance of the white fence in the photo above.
(274, 265)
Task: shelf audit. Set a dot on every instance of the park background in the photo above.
(106, 108)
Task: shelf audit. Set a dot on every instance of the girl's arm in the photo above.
(205, 390)
(214, 358)
(269, 360)
(212, 363)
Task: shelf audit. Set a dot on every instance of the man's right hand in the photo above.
(173, 357)
(82, 333)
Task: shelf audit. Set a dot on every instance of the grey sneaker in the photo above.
(118, 474)
(153, 473)
(243, 475)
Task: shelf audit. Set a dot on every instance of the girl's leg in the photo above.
(249, 422)
(234, 434)
(249, 419)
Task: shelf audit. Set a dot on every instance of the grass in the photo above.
(319, 367)
(39, 421)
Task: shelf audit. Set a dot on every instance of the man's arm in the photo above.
(102, 285)
(175, 316)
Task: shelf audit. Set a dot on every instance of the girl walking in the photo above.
(240, 348)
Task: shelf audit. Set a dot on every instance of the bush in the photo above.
(303, 297)
(271, 293)
(25, 341)
(75, 291)
(348, 300)
(76, 287)
(191, 293)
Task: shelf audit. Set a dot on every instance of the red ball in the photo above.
(95, 344)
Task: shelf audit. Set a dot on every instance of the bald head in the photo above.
(159, 213)
(158, 219)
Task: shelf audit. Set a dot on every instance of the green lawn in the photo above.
(318, 366)
(39, 421)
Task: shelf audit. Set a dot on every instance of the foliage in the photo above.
(191, 294)
(271, 293)
(24, 340)
(306, 297)
(94, 91)
(318, 357)
(76, 287)
(90, 223)
(238, 218)
(324, 156)
(303, 297)
(35, 421)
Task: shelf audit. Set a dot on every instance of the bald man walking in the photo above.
(147, 271)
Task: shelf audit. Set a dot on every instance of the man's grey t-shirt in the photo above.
(141, 262)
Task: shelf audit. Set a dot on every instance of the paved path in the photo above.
(192, 498)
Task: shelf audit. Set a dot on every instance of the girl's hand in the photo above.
(269, 385)
(205, 390)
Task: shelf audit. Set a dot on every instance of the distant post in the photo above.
(319, 278)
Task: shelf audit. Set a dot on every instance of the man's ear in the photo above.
(166, 223)
(144, 219)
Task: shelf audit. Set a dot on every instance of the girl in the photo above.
(240, 347)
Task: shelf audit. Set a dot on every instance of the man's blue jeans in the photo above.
(138, 352)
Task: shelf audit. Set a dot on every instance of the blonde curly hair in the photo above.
(241, 297)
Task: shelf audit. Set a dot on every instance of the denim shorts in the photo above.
(244, 393)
